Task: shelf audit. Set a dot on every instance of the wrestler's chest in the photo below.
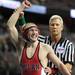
(30, 52)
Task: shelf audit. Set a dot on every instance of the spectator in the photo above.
(9, 63)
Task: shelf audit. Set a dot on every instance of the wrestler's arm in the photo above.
(13, 20)
(63, 69)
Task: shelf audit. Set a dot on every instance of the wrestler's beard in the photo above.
(30, 40)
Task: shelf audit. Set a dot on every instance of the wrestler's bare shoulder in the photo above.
(45, 47)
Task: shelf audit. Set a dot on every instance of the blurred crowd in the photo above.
(9, 63)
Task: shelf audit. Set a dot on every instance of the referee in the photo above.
(63, 48)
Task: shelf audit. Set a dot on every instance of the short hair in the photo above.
(56, 17)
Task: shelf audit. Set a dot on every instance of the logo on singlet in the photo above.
(32, 67)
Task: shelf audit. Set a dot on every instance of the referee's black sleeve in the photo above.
(69, 55)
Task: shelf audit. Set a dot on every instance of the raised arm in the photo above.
(14, 17)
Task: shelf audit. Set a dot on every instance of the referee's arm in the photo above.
(69, 61)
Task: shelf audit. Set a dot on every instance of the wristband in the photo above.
(22, 20)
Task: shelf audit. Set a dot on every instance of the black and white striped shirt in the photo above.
(64, 50)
